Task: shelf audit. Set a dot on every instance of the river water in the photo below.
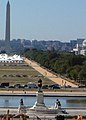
(68, 102)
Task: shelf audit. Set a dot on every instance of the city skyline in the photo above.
(47, 19)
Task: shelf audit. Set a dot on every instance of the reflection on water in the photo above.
(74, 101)
(13, 101)
(6, 101)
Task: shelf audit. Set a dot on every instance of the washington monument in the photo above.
(7, 32)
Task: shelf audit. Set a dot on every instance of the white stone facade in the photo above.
(4, 58)
(80, 48)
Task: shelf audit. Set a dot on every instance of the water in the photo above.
(13, 101)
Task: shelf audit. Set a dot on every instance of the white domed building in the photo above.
(83, 51)
(84, 43)
(80, 48)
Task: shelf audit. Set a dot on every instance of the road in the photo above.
(46, 93)
(48, 74)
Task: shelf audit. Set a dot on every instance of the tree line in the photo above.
(63, 63)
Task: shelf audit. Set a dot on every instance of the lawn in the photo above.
(21, 74)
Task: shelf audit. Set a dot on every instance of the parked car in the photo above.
(5, 84)
(25, 86)
(11, 87)
(82, 86)
(31, 85)
(55, 86)
(17, 85)
(45, 86)
(21, 86)
(2, 86)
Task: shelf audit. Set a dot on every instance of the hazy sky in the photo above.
(45, 19)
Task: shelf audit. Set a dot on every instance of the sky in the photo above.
(62, 20)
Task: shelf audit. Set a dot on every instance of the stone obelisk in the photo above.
(7, 32)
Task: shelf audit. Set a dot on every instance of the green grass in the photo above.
(31, 75)
(24, 66)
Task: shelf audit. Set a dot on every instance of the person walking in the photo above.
(79, 117)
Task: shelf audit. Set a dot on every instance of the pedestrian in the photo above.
(79, 117)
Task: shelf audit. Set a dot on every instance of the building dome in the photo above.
(84, 42)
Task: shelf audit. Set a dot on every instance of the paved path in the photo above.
(46, 93)
(48, 74)
(51, 94)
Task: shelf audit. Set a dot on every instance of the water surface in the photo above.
(68, 102)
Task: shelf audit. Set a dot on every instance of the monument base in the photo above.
(40, 107)
(39, 104)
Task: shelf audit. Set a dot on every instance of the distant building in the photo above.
(4, 58)
(26, 43)
(73, 43)
(80, 48)
(83, 51)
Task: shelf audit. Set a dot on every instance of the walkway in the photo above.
(48, 74)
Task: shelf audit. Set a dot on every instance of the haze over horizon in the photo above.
(45, 19)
